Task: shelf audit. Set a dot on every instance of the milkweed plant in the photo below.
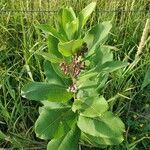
(77, 66)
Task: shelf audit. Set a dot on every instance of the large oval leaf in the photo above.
(68, 142)
(69, 48)
(91, 141)
(96, 36)
(101, 142)
(54, 122)
(44, 91)
(107, 126)
(91, 106)
(102, 55)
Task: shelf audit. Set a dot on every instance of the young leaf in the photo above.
(72, 28)
(59, 23)
(102, 55)
(52, 31)
(85, 13)
(67, 24)
(87, 75)
(50, 57)
(102, 79)
(52, 44)
(69, 141)
(44, 91)
(69, 48)
(53, 122)
(107, 128)
(68, 15)
(51, 75)
(86, 83)
(111, 66)
(91, 106)
(96, 36)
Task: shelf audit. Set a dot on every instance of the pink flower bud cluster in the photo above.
(74, 68)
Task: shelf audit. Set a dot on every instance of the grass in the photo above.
(19, 39)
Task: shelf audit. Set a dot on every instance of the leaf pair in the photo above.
(98, 126)
(103, 130)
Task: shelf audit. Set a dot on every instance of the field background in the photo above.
(19, 39)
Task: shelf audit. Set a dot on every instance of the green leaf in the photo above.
(68, 15)
(59, 23)
(86, 83)
(101, 142)
(56, 105)
(69, 141)
(102, 79)
(51, 75)
(87, 79)
(146, 79)
(69, 48)
(53, 122)
(85, 13)
(91, 140)
(67, 22)
(50, 57)
(87, 75)
(72, 28)
(59, 72)
(107, 128)
(44, 91)
(54, 143)
(52, 44)
(91, 106)
(111, 66)
(52, 31)
(102, 55)
(96, 36)
(97, 77)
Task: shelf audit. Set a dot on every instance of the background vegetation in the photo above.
(19, 39)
